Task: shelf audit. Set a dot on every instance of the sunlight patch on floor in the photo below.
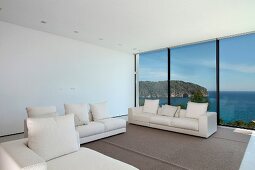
(243, 131)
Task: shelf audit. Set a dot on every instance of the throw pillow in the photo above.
(182, 113)
(52, 137)
(43, 115)
(80, 111)
(178, 112)
(99, 111)
(151, 106)
(168, 110)
(49, 111)
(195, 110)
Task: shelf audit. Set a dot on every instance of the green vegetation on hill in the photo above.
(150, 89)
(239, 123)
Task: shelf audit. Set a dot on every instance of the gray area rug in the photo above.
(153, 149)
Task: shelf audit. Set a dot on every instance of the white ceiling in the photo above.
(128, 24)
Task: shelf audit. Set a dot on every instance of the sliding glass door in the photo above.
(153, 76)
(237, 81)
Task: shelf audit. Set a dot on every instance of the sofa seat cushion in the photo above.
(113, 123)
(161, 120)
(87, 159)
(185, 123)
(143, 117)
(90, 129)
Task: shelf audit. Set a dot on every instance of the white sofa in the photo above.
(94, 130)
(204, 126)
(100, 129)
(97, 129)
(15, 155)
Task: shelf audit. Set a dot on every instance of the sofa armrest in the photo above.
(132, 111)
(15, 155)
(208, 124)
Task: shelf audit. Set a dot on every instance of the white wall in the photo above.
(40, 69)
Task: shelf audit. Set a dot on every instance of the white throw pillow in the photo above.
(99, 111)
(49, 111)
(80, 111)
(151, 106)
(168, 110)
(178, 112)
(52, 137)
(195, 110)
(46, 115)
(182, 113)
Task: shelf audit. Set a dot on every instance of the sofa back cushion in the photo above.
(42, 112)
(90, 116)
(151, 106)
(178, 111)
(52, 137)
(168, 110)
(195, 110)
(182, 113)
(99, 111)
(80, 111)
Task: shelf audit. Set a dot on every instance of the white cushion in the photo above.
(113, 123)
(90, 116)
(180, 113)
(143, 117)
(195, 110)
(80, 111)
(45, 115)
(185, 123)
(87, 159)
(161, 120)
(168, 110)
(49, 111)
(159, 110)
(52, 137)
(99, 111)
(90, 129)
(151, 106)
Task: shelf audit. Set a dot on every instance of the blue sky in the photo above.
(196, 63)
(237, 62)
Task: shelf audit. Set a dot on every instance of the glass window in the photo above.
(237, 81)
(153, 76)
(193, 74)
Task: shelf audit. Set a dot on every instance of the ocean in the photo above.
(234, 105)
(237, 105)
